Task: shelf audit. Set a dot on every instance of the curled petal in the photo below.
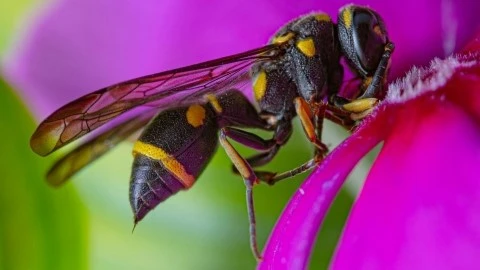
(291, 242)
(420, 203)
(423, 189)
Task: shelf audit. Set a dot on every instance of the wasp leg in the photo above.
(249, 139)
(313, 132)
(300, 169)
(363, 104)
(380, 74)
(270, 147)
(360, 108)
(253, 141)
(271, 178)
(263, 158)
(282, 133)
(249, 179)
(259, 160)
(345, 122)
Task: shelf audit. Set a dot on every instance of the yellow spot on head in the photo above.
(306, 46)
(195, 115)
(214, 102)
(260, 85)
(347, 17)
(322, 17)
(168, 161)
(283, 38)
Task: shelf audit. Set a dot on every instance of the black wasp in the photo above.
(297, 73)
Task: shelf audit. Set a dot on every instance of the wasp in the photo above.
(187, 112)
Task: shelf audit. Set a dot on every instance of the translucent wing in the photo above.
(94, 148)
(162, 90)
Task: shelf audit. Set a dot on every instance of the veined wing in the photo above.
(162, 90)
(94, 148)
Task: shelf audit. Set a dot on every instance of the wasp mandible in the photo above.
(188, 111)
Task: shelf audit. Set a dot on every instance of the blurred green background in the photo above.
(87, 223)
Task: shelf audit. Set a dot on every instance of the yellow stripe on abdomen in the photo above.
(169, 162)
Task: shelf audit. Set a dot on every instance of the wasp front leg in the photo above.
(339, 117)
(376, 84)
(363, 105)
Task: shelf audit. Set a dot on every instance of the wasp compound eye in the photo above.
(368, 39)
(363, 38)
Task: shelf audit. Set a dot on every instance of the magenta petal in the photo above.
(419, 208)
(292, 240)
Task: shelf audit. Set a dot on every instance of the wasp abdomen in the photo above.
(151, 184)
(170, 154)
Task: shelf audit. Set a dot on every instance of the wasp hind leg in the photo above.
(249, 176)
(281, 136)
(249, 179)
(270, 149)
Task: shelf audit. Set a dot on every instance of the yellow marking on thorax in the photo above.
(168, 161)
(214, 102)
(283, 38)
(347, 17)
(260, 85)
(307, 47)
(323, 17)
(195, 115)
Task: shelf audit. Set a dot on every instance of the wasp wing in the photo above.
(94, 148)
(162, 90)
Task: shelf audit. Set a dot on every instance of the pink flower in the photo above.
(420, 205)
